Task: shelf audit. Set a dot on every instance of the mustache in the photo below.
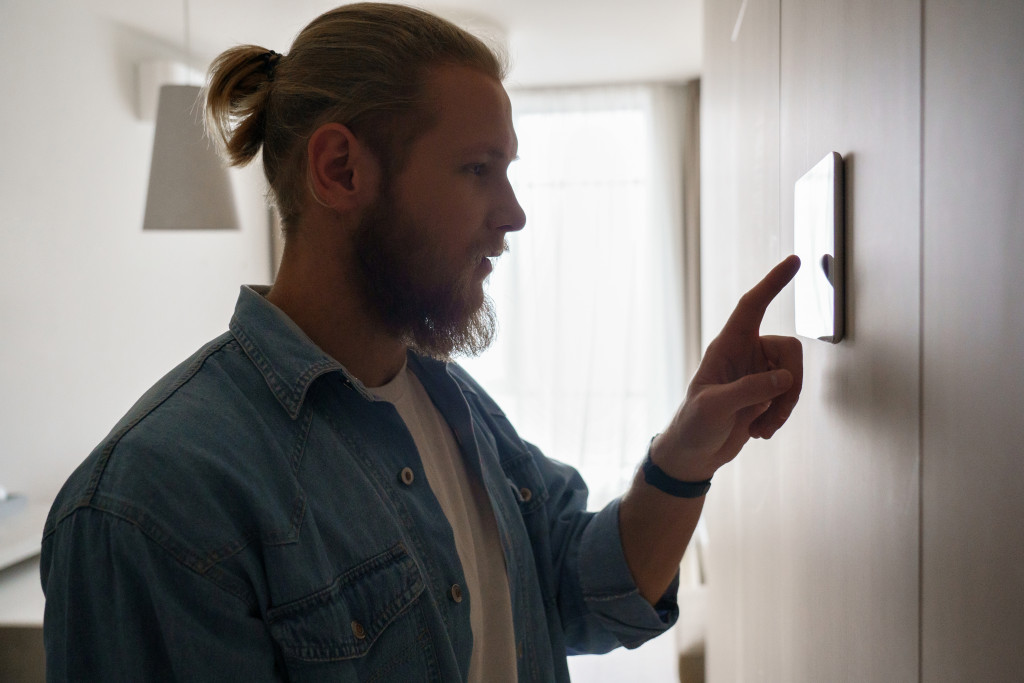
(495, 252)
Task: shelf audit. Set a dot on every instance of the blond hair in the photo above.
(362, 65)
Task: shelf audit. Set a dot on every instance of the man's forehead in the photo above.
(474, 109)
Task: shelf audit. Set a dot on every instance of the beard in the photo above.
(438, 310)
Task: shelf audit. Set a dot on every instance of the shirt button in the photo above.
(358, 631)
(407, 476)
(526, 494)
(456, 592)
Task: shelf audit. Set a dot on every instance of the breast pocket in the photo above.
(366, 626)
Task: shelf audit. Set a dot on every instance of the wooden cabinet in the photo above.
(973, 352)
(740, 238)
(877, 537)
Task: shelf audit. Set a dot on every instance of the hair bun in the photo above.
(270, 58)
(236, 100)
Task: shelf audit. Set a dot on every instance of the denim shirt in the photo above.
(253, 518)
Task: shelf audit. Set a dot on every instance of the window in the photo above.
(590, 360)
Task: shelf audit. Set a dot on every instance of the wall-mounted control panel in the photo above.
(818, 241)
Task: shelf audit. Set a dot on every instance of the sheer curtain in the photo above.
(597, 336)
(598, 302)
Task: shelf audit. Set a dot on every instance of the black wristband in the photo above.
(656, 477)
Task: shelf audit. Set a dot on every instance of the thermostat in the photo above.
(818, 241)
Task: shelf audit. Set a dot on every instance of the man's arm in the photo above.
(746, 386)
(119, 607)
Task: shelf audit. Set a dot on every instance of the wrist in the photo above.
(678, 462)
(655, 476)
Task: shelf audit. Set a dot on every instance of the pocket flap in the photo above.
(343, 620)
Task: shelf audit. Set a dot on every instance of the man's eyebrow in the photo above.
(492, 152)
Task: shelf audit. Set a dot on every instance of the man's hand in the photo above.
(746, 386)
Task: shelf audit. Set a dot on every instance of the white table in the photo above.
(21, 530)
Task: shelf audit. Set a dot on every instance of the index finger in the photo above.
(749, 312)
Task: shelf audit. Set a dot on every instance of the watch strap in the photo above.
(656, 477)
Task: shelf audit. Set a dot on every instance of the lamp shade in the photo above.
(189, 188)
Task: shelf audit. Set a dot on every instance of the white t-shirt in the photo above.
(465, 503)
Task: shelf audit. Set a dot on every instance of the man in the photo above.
(319, 494)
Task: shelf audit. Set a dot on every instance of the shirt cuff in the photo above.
(609, 590)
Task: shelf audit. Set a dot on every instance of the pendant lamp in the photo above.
(189, 187)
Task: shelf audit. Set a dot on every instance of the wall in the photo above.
(872, 539)
(740, 238)
(93, 310)
(803, 527)
(973, 352)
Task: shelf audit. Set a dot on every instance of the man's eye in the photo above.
(477, 169)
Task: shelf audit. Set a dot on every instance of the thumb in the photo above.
(756, 388)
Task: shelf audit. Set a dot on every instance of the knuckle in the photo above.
(748, 301)
(700, 405)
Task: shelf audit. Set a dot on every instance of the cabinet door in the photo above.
(814, 539)
(740, 240)
(973, 436)
(848, 599)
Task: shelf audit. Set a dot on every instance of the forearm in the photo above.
(746, 386)
(655, 529)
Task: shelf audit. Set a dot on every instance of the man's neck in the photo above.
(317, 291)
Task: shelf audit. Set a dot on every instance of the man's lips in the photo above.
(486, 264)
(497, 252)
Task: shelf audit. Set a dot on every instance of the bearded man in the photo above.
(320, 494)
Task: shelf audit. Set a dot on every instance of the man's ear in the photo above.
(343, 173)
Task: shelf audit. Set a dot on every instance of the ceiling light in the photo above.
(189, 187)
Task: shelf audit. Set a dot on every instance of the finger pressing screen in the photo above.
(749, 312)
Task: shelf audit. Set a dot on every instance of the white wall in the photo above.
(92, 310)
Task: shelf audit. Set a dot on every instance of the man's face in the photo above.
(425, 245)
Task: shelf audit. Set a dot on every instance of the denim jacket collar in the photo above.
(288, 359)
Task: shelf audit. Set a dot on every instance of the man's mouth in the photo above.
(496, 253)
(486, 263)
